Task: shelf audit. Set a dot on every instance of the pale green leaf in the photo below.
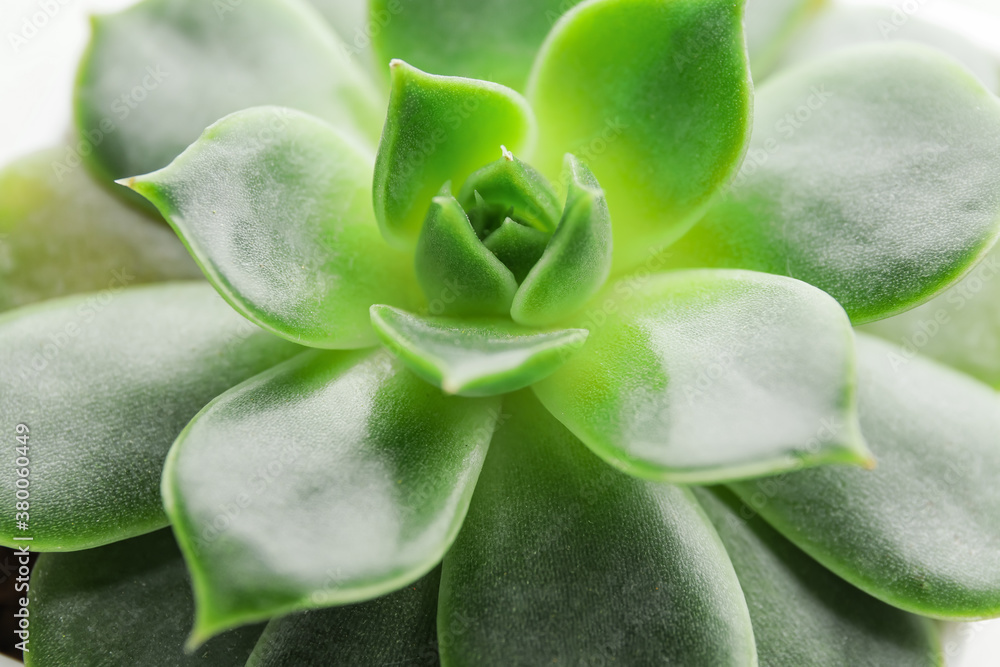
(105, 382)
(61, 233)
(275, 206)
(873, 174)
(655, 97)
(702, 376)
(158, 73)
(439, 130)
(495, 40)
(334, 478)
(922, 530)
(474, 357)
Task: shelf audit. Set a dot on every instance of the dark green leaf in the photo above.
(458, 274)
(332, 479)
(157, 74)
(276, 207)
(921, 531)
(873, 174)
(61, 233)
(439, 130)
(700, 376)
(105, 382)
(576, 261)
(655, 97)
(494, 40)
(474, 357)
(124, 604)
(398, 629)
(802, 613)
(563, 560)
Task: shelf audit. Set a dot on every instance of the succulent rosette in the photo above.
(527, 338)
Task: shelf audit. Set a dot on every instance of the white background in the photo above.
(36, 81)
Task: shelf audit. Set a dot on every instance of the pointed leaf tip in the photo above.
(474, 357)
(439, 128)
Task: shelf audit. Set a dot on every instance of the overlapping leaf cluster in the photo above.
(581, 237)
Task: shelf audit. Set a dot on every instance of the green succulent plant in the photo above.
(557, 365)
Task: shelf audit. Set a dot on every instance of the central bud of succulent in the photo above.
(507, 246)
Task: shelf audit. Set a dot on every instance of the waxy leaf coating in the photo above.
(157, 74)
(458, 274)
(396, 629)
(960, 327)
(124, 604)
(105, 382)
(702, 376)
(474, 357)
(61, 233)
(577, 259)
(275, 206)
(873, 174)
(802, 613)
(334, 478)
(922, 530)
(562, 559)
(439, 129)
(655, 97)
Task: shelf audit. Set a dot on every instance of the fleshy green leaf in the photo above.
(770, 24)
(159, 73)
(839, 26)
(576, 261)
(439, 129)
(516, 187)
(398, 629)
(123, 604)
(921, 531)
(474, 357)
(458, 274)
(517, 246)
(494, 40)
(663, 134)
(61, 234)
(873, 174)
(275, 206)
(802, 613)
(961, 327)
(563, 560)
(700, 376)
(105, 382)
(332, 479)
